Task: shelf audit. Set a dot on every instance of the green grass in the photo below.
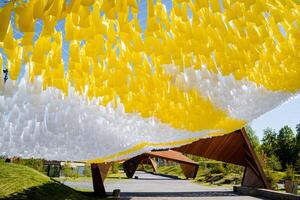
(16, 178)
(214, 179)
(120, 175)
(174, 170)
(21, 182)
(110, 177)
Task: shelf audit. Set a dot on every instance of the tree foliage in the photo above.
(298, 137)
(298, 129)
(269, 142)
(278, 149)
(67, 169)
(37, 164)
(253, 138)
(87, 170)
(297, 164)
(273, 162)
(286, 144)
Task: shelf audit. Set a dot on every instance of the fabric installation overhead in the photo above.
(90, 80)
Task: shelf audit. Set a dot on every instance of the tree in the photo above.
(286, 144)
(253, 138)
(269, 142)
(115, 168)
(298, 138)
(269, 146)
(298, 129)
(67, 169)
(87, 170)
(274, 163)
(298, 147)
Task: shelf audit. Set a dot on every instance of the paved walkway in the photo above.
(149, 186)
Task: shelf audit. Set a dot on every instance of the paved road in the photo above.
(149, 186)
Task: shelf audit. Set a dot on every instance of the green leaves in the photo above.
(286, 143)
(269, 142)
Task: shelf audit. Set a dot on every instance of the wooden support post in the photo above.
(250, 179)
(254, 175)
(232, 148)
(188, 166)
(98, 185)
(131, 165)
(189, 171)
(153, 164)
(150, 161)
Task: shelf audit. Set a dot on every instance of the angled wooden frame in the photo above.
(234, 148)
(188, 166)
(99, 173)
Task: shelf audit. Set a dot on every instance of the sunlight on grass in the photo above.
(16, 178)
(110, 177)
(21, 182)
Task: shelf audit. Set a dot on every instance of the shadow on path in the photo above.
(153, 179)
(177, 194)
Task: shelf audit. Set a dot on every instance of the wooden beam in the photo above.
(226, 148)
(171, 155)
(150, 161)
(131, 165)
(189, 171)
(153, 163)
(232, 148)
(248, 179)
(104, 169)
(188, 166)
(99, 172)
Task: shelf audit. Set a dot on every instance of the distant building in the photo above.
(55, 168)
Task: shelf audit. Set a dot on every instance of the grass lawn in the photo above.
(171, 170)
(224, 181)
(21, 182)
(110, 177)
(120, 175)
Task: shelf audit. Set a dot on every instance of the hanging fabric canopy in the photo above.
(93, 80)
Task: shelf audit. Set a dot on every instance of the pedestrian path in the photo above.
(150, 186)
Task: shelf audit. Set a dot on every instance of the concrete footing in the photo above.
(264, 193)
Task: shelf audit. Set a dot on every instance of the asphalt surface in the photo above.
(149, 186)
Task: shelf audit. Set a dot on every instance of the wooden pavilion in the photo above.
(234, 148)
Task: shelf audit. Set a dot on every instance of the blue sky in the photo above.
(286, 114)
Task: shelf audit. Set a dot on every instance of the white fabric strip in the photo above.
(241, 99)
(46, 124)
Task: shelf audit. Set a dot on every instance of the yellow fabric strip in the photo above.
(142, 145)
(139, 147)
(111, 60)
(5, 20)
